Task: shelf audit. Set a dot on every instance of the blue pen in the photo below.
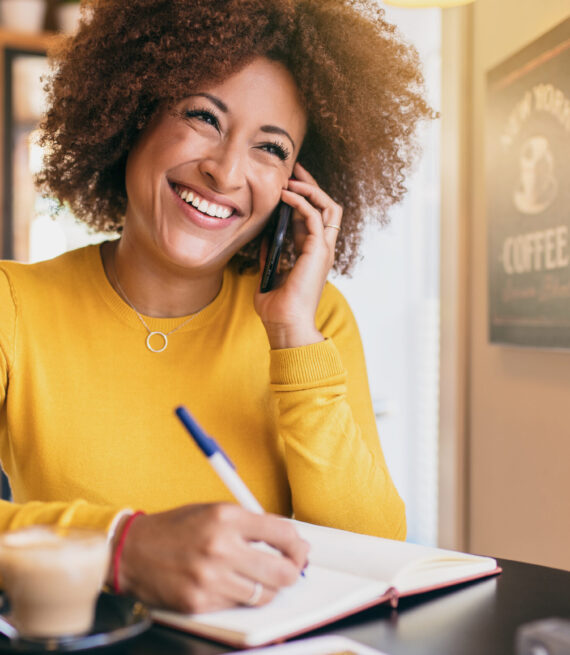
(220, 462)
(223, 466)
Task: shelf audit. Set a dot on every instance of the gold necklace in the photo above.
(151, 333)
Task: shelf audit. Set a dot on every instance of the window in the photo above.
(400, 323)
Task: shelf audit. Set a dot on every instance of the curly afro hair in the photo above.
(361, 85)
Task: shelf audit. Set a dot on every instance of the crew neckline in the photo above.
(128, 315)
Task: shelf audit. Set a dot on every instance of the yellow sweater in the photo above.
(86, 410)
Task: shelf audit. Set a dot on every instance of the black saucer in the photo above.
(117, 618)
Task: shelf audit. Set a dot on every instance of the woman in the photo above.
(181, 125)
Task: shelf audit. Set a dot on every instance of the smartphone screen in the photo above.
(275, 247)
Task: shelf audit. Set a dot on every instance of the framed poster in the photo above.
(528, 194)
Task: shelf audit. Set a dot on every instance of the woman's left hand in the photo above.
(288, 312)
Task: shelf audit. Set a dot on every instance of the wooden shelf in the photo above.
(41, 41)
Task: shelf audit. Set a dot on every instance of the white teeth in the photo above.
(211, 209)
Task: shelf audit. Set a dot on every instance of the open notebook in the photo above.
(347, 573)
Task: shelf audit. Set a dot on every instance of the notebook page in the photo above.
(321, 594)
(403, 565)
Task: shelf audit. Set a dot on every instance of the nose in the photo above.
(224, 167)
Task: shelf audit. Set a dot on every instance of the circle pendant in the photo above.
(149, 345)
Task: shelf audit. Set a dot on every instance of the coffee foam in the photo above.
(35, 536)
(52, 547)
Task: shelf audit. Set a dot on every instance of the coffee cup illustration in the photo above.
(537, 185)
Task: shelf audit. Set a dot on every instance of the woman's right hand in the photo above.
(200, 558)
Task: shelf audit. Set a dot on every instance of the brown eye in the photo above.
(203, 115)
(275, 148)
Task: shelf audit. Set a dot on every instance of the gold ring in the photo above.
(334, 227)
(255, 595)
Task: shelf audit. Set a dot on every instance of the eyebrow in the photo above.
(268, 129)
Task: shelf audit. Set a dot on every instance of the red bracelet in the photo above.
(119, 550)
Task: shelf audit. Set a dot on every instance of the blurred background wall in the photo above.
(512, 419)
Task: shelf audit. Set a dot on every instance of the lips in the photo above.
(207, 207)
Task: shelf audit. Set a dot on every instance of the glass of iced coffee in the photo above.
(52, 578)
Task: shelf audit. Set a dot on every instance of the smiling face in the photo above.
(203, 178)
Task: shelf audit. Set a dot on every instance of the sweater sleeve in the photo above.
(13, 516)
(76, 514)
(335, 465)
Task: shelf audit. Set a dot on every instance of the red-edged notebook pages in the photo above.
(348, 572)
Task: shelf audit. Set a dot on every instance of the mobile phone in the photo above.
(276, 245)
